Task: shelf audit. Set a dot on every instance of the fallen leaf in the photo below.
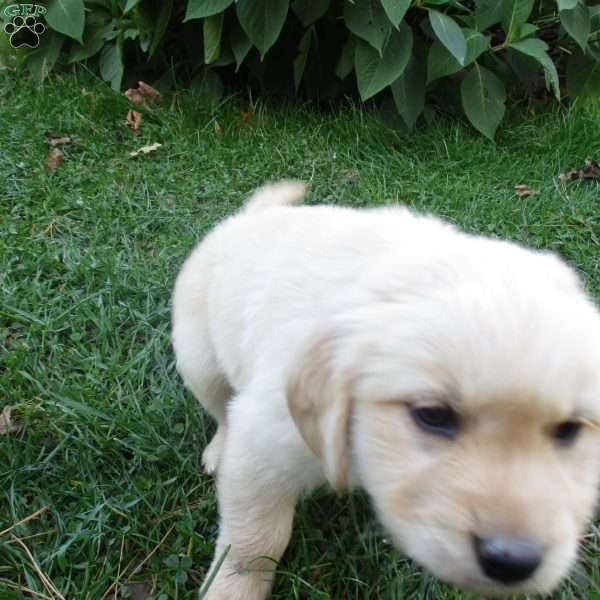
(569, 175)
(54, 159)
(523, 190)
(146, 149)
(148, 92)
(54, 139)
(590, 170)
(143, 92)
(59, 141)
(133, 120)
(6, 424)
(133, 95)
(50, 230)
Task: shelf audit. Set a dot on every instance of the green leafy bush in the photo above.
(466, 56)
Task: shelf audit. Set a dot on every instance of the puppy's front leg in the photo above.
(257, 497)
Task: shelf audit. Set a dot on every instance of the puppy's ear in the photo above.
(318, 396)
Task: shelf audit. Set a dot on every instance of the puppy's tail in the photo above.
(282, 193)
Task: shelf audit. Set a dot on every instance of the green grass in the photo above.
(110, 440)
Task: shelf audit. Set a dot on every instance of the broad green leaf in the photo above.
(577, 23)
(166, 8)
(594, 19)
(488, 13)
(532, 46)
(262, 20)
(367, 20)
(583, 76)
(483, 98)
(375, 72)
(441, 63)
(524, 66)
(527, 29)
(566, 4)
(550, 74)
(309, 11)
(409, 92)
(67, 16)
(450, 34)
(145, 21)
(93, 41)
(345, 63)
(131, 4)
(199, 9)
(538, 49)
(42, 60)
(212, 29)
(514, 15)
(302, 56)
(240, 45)
(226, 57)
(395, 10)
(111, 65)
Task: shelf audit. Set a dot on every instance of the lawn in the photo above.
(109, 441)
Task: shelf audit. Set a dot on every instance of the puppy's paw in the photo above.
(232, 586)
(212, 453)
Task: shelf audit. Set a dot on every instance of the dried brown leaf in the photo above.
(133, 120)
(590, 170)
(54, 159)
(59, 141)
(143, 93)
(569, 175)
(50, 229)
(522, 190)
(6, 424)
(146, 149)
(149, 92)
(133, 95)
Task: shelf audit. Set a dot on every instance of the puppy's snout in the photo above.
(508, 559)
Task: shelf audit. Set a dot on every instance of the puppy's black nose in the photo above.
(508, 559)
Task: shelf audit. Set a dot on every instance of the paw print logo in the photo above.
(24, 31)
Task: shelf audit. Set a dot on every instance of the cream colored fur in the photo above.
(307, 333)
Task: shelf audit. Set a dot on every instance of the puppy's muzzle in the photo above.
(508, 559)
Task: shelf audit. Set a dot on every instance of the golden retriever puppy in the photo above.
(454, 378)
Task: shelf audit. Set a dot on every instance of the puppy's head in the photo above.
(468, 412)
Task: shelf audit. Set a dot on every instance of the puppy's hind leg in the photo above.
(198, 365)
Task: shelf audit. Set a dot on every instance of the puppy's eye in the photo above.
(440, 420)
(566, 432)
